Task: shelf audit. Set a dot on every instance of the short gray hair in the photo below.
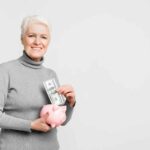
(33, 19)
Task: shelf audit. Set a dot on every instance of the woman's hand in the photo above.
(68, 92)
(40, 124)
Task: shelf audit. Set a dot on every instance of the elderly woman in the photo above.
(22, 94)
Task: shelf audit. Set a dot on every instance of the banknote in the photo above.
(54, 96)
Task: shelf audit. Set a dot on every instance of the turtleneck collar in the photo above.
(27, 61)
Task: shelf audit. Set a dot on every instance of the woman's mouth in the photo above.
(36, 48)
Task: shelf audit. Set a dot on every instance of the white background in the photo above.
(102, 48)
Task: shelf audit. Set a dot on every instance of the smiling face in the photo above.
(36, 40)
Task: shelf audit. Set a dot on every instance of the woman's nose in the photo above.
(37, 41)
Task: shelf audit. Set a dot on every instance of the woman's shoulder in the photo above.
(51, 72)
(5, 67)
(8, 64)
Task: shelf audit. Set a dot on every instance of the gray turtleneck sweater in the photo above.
(22, 96)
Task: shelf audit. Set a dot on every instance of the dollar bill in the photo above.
(54, 96)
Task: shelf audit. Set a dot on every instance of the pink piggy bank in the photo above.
(57, 114)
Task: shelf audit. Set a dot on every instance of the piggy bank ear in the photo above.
(55, 107)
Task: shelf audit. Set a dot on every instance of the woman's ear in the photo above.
(21, 38)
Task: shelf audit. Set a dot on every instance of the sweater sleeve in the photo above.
(70, 109)
(7, 121)
(69, 113)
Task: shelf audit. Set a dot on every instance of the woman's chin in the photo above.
(36, 57)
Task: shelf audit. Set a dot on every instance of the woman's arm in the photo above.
(7, 121)
(11, 122)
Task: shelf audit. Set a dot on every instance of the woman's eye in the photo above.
(31, 35)
(44, 37)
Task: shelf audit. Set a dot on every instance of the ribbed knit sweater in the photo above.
(22, 96)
